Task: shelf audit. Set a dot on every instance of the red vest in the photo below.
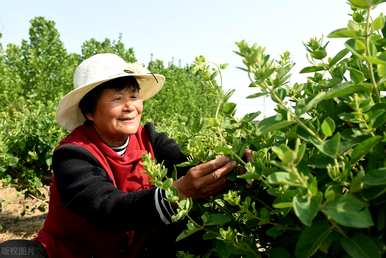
(65, 233)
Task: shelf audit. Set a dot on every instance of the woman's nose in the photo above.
(129, 105)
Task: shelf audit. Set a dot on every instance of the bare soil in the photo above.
(21, 216)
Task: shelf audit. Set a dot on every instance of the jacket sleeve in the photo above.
(85, 188)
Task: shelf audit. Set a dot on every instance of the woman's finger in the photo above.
(247, 157)
(208, 167)
(218, 173)
(213, 188)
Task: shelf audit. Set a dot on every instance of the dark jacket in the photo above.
(97, 208)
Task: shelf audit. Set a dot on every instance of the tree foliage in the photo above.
(37, 73)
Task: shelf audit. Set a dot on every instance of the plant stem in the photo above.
(298, 120)
(338, 229)
(367, 51)
(219, 72)
(239, 159)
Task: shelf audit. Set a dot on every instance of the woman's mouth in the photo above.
(126, 118)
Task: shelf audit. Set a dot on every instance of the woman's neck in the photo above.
(112, 141)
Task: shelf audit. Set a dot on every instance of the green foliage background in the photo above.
(37, 73)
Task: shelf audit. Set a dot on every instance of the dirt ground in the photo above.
(21, 217)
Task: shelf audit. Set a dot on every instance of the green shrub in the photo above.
(28, 136)
(316, 183)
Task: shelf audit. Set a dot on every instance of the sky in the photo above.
(181, 30)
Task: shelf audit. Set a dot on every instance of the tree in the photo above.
(92, 47)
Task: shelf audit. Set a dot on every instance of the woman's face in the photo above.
(117, 114)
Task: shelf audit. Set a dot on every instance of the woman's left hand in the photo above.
(205, 179)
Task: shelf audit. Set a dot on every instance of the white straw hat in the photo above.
(93, 72)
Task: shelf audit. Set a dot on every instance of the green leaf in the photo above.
(250, 116)
(344, 90)
(373, 192)
(228, 248)
(377, 117)
(314, 101)
(271, 124)
(375, 177)
(384, 30)
(311, 69)
(349, 117)
(364, 147)
(229, 107)
(228, 95)
(249, 176)
(211, 219)
(326, 244)
(330, 147)
(282, 205)
(319, 161)
(338, 56)
(353, 45)
(360, 3)
(278, 178)
(223, 66)
(378, 23)
(343, 33)
(306, 207)
(359, 45)
(311, 238)
(300, 150)
(191, 229)
(328, 127)
(210, 234)
(285, 154)
(348, 211)
(381, 70)
(375, 60)
(256, 95)
(356, 75)
(360, 246)
(372, 48)
(376, 2)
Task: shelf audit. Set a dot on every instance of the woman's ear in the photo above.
(89, 117)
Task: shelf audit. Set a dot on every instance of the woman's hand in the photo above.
(247, 157)
(205, 179)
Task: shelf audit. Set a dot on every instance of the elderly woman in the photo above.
(102, 202)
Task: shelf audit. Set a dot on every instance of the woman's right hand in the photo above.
(206, 179)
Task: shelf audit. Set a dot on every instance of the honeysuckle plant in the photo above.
(316, 183)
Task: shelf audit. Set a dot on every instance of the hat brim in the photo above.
(69, 115)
